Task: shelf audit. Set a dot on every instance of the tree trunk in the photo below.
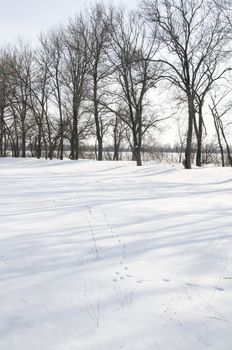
(96, 114)
(116, 141)
(199, 138)
(188, 149)
(39, 148)
(136, 152)
(227, 145)
(2, 127)
(219, 139)
(139, 160)
(100, 149)
(61, 145)
(23, 142)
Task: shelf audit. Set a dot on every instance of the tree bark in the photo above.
(199, 138)
(188, 150)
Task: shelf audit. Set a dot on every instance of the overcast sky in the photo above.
(27, 18)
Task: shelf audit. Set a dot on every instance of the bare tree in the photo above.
(75, 78)
(53, 46)
(4, 101)
(192, 36)
(21, 61)
(135, 74)
(40, 92)
(97, 42)
(218, 112)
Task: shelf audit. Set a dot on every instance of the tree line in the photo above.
(95, 78)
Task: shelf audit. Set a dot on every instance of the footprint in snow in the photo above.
(166, 280)
(140, 281)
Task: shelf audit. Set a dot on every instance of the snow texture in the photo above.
(110, 256)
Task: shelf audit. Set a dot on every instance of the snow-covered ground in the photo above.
(109, 256)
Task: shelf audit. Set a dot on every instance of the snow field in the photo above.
(99, 256)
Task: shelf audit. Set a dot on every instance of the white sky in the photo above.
(27, 18)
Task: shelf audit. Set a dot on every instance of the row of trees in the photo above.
(95, 79)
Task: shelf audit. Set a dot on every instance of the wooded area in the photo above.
(94, 80)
